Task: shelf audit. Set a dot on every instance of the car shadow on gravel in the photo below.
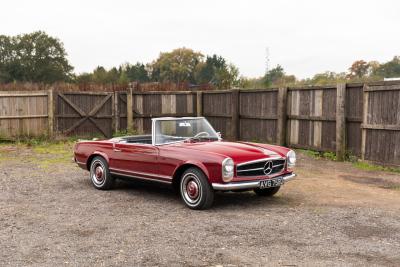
(153, 191)
(250, 199)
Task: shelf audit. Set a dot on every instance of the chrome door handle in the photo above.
(117, 150)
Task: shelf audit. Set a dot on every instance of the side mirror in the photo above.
(219, 135)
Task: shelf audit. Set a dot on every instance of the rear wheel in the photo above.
(195, 189)
(267, 192)
(100, 174)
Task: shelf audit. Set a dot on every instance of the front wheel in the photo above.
(267, 192)
(195, 189)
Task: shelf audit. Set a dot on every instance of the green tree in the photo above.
(136, 73)
(34, 57)
(100, 75)
(216, 71)
(390, 69)
(275, 76)
(175, 66)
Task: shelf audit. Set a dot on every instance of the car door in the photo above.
(137, 160)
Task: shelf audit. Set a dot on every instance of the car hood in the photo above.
(238, 151)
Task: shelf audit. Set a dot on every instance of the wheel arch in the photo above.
(182, 168)
(93, 155)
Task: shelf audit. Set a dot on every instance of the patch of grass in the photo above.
(372, 167)
(349, 158)
(395, 187)
(46, 152)
(318, 155)
(329, 155)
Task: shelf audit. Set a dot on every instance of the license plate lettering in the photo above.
(271, 182)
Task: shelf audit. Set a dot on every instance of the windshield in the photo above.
(181, 129)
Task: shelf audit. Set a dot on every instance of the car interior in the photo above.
(137, 139)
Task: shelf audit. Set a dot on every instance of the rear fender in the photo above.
(94, 154)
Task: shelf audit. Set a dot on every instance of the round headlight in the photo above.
(227, 169)
(291, 158)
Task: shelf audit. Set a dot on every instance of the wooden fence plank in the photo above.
(199, 104)
(235, 114)
(129, 110)
(317, 124)
(381, 127)
(50, 112)
(341, 121)
(281, 116)
(294, 123)
(115, 112)
(365, 121)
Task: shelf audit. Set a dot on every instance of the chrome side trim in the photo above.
(141, 178)
(258, 160)
(247, 185)
(142, 173)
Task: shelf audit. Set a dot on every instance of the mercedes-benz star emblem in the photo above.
(268, 167)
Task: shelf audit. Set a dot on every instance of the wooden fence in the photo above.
(361, 119)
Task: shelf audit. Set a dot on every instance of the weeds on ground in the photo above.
(47, 151)
(349, 157)
(372, 167)
(318, 154)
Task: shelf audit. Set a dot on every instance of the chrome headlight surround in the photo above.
(291, 159)
(228, 168)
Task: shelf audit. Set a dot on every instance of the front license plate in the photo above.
(274, 182)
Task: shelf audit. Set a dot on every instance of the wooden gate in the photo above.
(85, 113)
(25, 114)
(381, 124)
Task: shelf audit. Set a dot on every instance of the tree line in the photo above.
(359, 71)
(38, 57)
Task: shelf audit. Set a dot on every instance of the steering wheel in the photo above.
(205, 134)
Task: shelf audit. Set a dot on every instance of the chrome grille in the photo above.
(256, 168)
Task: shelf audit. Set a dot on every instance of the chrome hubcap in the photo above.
(99, 173)
(193, 189)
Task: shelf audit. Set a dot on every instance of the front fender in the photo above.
(212, 170)
(198, 164)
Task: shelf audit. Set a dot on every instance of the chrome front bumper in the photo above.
(248, 184)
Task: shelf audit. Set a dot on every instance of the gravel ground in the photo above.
(333, 214)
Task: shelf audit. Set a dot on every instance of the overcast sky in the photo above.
(305, 37)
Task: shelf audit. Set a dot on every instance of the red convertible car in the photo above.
(191, 156)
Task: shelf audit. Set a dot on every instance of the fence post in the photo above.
(50, 112)
(115, 112)
(235, 93)
(129, 110)
(340, 121)
(364, 121)
(199, 103)
(281, 116)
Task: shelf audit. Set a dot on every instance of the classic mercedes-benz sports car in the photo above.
(191, 156)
